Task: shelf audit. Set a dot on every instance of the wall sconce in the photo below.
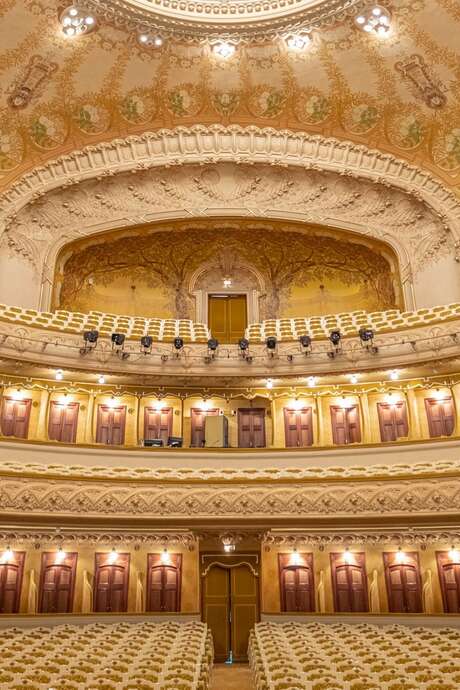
(347, 556)
(60, 555)
(113, 556)
(400, 556)
(165, 557)
(346, 403)
(296, 558)
(454, 555)
(7, 555)
(18, 394)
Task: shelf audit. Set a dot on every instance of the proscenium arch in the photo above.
(209, 145)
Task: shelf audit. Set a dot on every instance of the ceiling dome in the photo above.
(198, 19)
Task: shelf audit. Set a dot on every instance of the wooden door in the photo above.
(15, 417)
(62, 423)
(111, 583)
(349, 582)
(111, 425)
(251, 428)
(198, 421)
(404, 589)
(345, 425)
(11, 574)
(449, 577)
(57, 582)
(440, 415)
(244, 609)
(216, 609)
(297, 584)
(158, 423)
(164, 582)
(227, 317)
(392, 420)
(298, 429)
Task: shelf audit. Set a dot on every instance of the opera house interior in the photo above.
(229, 345)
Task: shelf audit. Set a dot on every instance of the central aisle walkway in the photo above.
(236, 677)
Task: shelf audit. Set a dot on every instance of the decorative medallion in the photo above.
(47, 131)
(361, 118)
(312, 107)
(407, 131)
(266, 101)
(92, 119)
(225, 102)
(446, 149)
(138, 107)
(183, 101)
(11, 149)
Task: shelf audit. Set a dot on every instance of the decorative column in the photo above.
(41, 433)
(274, 421)
(365, 412)
(136, 419)
(414, 419)
(456, 399)
(319, 436)
(89, 419)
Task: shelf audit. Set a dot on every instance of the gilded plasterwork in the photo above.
(403, 98)
(304, 270)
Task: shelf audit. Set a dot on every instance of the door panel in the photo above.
(298, 427)
(393, 420)
(158, 423)
(297, 586)
(111, 425)
(57, 581)
(164, 583)
(227, 317)
(15, 417)
(198, 421)
(404, 589)
(345, 425)
(251, 428)
(11, 574)
(244, 609)
(440, 415)
(216, 609)
(63, 419)
(349, 582)
(111, 583)
(449, 577)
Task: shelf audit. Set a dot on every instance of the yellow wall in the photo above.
(270, 601)
(190, 593)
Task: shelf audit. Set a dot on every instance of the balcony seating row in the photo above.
(315, 656)
(123, 656)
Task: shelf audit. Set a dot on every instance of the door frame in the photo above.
(227, 562)
(239, 411)
(226, 294)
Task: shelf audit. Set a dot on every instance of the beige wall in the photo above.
(190, 593)
(270, 599)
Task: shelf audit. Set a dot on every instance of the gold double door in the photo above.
(230, 609)
(227, 317)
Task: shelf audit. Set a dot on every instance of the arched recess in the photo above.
(427, 232)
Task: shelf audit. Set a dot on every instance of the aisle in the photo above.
(236, 677)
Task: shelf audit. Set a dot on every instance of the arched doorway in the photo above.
(230, 603)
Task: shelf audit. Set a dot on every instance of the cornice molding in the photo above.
(424, 537)
(211, 144)
(227, 475)
(42, 537)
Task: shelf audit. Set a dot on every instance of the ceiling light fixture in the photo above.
(311, 381)
(101, 379)
(298, 42)
(374, 19)
(59, 375)
(394, 375)
(223, 49)
(75, 21)
(269, 383)
(354, 379)
(149, 40)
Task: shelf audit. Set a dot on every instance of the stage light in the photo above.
(91, 337)
(213, 344)
(305, 341)
(178, 343)
(118, 339)
(146, 343)
(366, 334)
(243, 344)
(335, 337)
(270, 342)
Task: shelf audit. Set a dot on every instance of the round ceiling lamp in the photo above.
(374, 19)
(76, 21)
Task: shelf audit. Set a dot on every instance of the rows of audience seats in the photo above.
(302, 656)
(122, 656)
(131, 326)
(349, 323)
(317, 327)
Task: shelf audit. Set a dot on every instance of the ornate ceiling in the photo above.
(399, 95)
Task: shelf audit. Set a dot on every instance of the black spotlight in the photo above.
(270, 343)
(213, 344)
(335, 338)
(118, 339)
(367, 339)
(178, 343)
(243, 344)
(305, 341)
(91, 336)
(146, 343)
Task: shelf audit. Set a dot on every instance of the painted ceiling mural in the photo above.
(297, 266)
(399, 95)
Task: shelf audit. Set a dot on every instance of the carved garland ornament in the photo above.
(370, 499)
